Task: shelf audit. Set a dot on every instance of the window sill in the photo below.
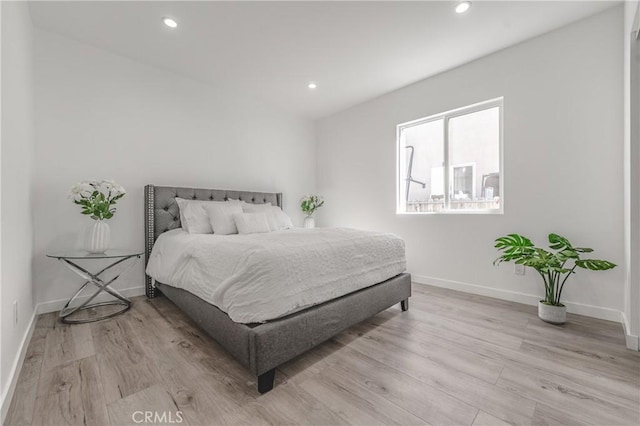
(453, 212)
(477, 206)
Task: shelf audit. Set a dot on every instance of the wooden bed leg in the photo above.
(404, 305)
(265, 381)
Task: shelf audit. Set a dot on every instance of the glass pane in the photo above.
(474, 159)
(462, 182)
(422, 167)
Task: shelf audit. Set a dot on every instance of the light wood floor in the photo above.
(452, 359)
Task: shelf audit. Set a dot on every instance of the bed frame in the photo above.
(262, 347)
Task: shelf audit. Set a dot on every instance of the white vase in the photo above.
(552, 314)
(309, 222)
(98, 237)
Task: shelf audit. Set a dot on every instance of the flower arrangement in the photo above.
(310, 204)
(97, 197)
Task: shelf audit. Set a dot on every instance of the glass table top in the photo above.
(83, 254)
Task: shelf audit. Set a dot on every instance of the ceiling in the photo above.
(355, 51)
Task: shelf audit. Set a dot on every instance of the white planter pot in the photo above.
(309, 222)
(552, 314)
(98, 237)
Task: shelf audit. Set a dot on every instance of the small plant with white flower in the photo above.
(310, 204)
(97, 198)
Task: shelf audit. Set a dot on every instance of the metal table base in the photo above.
(103, 286)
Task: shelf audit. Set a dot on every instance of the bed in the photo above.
(261, 346)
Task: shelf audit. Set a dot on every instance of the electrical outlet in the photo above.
(15, 312)
(518, 269)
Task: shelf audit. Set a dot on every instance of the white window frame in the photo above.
(448, 168)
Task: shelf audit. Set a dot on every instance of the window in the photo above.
(452, 162)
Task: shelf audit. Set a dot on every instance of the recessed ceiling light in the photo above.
(462, 7)
(312, 85)
(169, 22)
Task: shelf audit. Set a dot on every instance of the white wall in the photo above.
(563, 156)
(100, 115)
(16, 183)
(632, 179)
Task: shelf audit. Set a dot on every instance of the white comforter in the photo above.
(260, 277)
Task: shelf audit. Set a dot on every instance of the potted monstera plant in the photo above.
(555, 266)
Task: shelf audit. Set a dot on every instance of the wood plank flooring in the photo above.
(452, 359)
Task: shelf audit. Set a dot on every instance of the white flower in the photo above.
(105, 187)
(121, 190)
(81, 190)
(113, 187)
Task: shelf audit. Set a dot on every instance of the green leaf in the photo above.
(515, 247)
(560, 269)
(583, 249)
(559, 243)
(595, 264)
(568, 254)
(514, 241)
(536, 263)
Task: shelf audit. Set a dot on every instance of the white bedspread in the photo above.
(259, 277)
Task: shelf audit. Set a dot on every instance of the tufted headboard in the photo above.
(161, 212)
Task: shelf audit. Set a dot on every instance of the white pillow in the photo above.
(280, 218)
(261, 208)
(221, 217)
(194, 218)
(255, 208)
(251, 223)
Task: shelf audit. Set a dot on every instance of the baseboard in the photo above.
(512, 296)
(56, 305)
(14, 373)
(633, 342)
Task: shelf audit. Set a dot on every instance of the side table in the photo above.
(117, 257)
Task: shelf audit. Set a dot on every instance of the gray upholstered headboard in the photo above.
(161, 211)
